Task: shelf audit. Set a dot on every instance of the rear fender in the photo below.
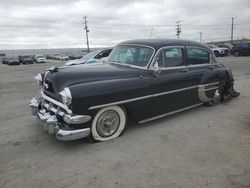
(213, 80)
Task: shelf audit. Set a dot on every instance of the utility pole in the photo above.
(86, 30)
(232, 30)
(178, 29)
(200, 37)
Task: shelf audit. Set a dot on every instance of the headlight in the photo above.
(66, 96)
(39, 79)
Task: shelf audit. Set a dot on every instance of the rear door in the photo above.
(205, 75)
(173, 86)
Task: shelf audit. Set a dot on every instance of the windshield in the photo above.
(39, 56)
(90, 55)
(131, 55)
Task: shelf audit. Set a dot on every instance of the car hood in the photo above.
(62, 77)
(223, 48)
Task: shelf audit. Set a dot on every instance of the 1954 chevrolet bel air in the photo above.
(143, 79)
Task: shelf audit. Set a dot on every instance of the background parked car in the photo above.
(241, 49)
(5, 60)
(40, 59)
(13, 61)
(2, 56)
(63, 58)
(96, 56)
(27, 59)
(228, 46)
(75, 56)
(219, 51)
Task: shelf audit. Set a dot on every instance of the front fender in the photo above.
(91, 94)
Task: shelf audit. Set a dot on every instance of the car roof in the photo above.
(159, 43)
(102, 49)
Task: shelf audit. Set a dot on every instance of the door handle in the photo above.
(211, 67)
(184, 70)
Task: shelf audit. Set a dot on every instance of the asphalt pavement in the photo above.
(201, 147)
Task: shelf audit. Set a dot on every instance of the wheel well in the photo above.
(124, 109)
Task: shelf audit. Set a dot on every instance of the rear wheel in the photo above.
(236, 53)
(108, 124)
(217, 97)
(218, 94)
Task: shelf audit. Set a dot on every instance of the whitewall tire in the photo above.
(108, 123)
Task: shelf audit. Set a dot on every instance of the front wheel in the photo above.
(108, 123)
(216, 53)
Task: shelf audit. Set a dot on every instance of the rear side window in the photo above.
(197, 56)
(170, 57)
(244, 45)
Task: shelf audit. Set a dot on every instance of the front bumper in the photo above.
(49, 113)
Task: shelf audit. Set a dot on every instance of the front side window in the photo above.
(197, 56)
(170, 57)
(131, 55)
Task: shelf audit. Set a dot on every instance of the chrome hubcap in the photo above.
(217, 96)
(108, 123)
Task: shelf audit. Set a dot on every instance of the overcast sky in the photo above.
(59, 23)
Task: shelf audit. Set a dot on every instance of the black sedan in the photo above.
(241, 50)
(144, 80)
(11, 61)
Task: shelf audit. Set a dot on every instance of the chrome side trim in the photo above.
(119, 102)
(56, 102)
(169, 113)
(149, 96)
(214, 83)
(209, 89)
(174, 91)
